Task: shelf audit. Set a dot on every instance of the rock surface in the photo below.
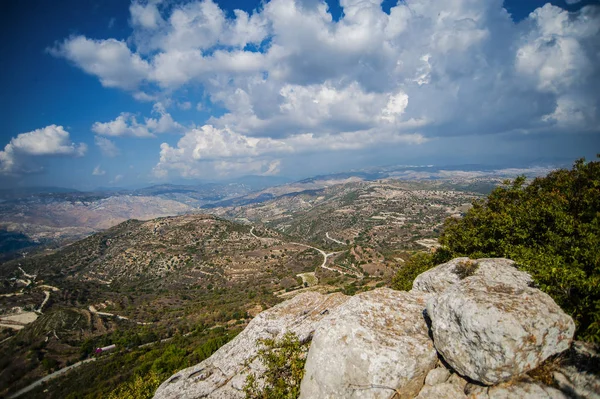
(223, 375)
(524, 389)
(482, 317)
(437, 376)
(491, 331)
(446, 275)
(442, 391)
(375, 344)
(579, 372)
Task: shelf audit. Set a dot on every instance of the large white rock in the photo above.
(490, 331)
(223, 375)
(446, 275)
(376, 344)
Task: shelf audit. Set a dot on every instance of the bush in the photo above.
(142, 387)
(551, 228)
(418, 263)
(284, 363)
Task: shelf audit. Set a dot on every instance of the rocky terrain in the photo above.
(467, 329)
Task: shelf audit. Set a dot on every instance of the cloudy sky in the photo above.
(99, 93)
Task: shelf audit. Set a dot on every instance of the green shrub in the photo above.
(551, 228)
(284, 362)
(417, 264)
(141, 387)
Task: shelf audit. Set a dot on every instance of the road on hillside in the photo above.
(334, 240)
(49, 377)
(323, 253)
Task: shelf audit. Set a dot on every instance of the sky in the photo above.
(112, 93)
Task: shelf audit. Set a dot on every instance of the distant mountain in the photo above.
(20, 192)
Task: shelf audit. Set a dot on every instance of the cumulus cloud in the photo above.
(110, 60)
(107, 147)
(98, 171)
(207, 150)
(288, 74)
(52, 140)
(126, 124)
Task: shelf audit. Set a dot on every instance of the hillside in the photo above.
(385, 214)
(166, 275)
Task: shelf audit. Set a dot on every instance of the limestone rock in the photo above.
(457, 380)
(376, 343)
(441, 391)
(437, 376)
(491, 331)
(523, 389)
(223, 375)
(444, 276)
(579, 372)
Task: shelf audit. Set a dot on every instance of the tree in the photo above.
(551, 228)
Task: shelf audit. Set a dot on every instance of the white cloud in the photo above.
(186, 105)
(126, 124)
(291, 79)
(98, 171)
(117, 179)
(110, 60)
(107, 147)
(51, 140)
(209, 150)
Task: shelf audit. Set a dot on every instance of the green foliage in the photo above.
(141, 387)
(551, 228)
(284, 362)
(417, 264)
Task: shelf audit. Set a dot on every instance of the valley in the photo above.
(149, 286)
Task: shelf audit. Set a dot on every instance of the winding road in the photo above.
(334, 240)
(323, 253)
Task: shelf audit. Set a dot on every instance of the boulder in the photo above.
(374, 345)
(223, 375)
(437, 376)
(579, 371)
(446, 275)
(491, 331)
(522, 389)
(441, 391)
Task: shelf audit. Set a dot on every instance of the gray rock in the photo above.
(376, 344)
(437, 376)
(578, 375)
(444, 276)
(490, 331)
(441, 391)
(523, 389)
(457, 380)
(223, 375)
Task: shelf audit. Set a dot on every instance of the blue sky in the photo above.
(100, 93)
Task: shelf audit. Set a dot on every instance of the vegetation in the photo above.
(465, 269)
(551, 228)
(284, 363)
(418, 263)
(139, 371)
